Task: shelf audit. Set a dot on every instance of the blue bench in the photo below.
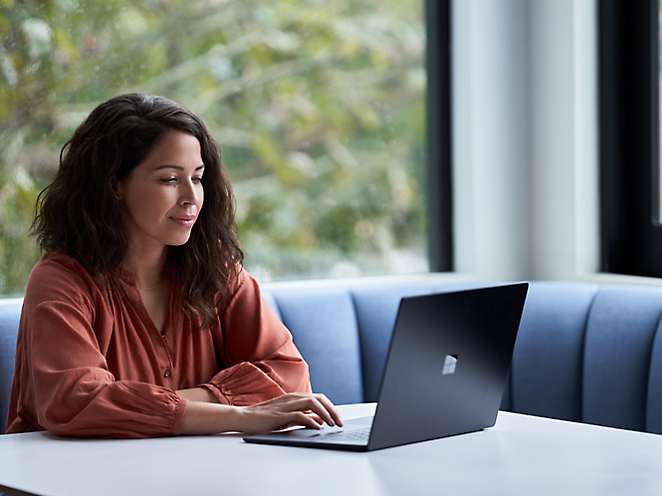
(584, 353)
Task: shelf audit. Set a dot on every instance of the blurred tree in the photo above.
(318, 107)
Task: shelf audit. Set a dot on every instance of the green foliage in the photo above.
(318, 107)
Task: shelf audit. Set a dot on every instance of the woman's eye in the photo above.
(197, 180)
(169, 180)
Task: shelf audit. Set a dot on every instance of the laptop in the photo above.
(445, 372)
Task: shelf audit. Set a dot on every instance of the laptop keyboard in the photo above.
(360, 435)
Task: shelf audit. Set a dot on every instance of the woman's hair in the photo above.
(80, 214)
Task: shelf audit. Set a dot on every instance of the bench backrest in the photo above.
(584, 352)
(10, 313)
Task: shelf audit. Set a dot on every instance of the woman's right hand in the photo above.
(293, 409)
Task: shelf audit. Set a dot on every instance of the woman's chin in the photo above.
(180, 241)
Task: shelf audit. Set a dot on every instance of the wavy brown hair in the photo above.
(80, 214)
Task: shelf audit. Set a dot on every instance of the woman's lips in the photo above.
(185, 220)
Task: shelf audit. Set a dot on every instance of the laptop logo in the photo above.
(450, 362)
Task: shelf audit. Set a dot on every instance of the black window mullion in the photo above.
(439, 187)
(629, 156)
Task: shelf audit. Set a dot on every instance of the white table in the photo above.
(521, 455)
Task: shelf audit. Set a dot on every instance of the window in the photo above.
(319, 108)
(629, 142)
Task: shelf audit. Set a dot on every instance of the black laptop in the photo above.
(445, 372)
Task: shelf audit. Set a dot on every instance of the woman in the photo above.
(139, 320)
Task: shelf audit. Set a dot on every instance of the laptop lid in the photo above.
(445, 372)
(447, 365)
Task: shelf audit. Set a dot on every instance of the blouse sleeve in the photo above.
(65, 381)
(261, 359)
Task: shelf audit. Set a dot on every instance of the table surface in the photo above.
(521, 455)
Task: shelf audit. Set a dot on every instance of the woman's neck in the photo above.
(145, 266)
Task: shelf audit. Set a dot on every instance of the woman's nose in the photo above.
(190, 193)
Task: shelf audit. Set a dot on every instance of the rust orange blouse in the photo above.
(91, 362)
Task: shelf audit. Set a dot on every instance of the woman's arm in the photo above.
(64, 381)
(197, 394)
(265, 385)
(307, 410)
(258, 359)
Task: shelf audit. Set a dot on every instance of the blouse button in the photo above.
(166, 374)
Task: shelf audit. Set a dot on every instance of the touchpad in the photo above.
(359, 421)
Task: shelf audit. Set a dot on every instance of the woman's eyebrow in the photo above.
(178, 167)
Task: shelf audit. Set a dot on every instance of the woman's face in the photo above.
(162, 196)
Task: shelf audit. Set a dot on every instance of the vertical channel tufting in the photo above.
(619, 340)
(376, 310)
(323, 324)
(584, 352)
(654, 398)
(507, 399)
(10, 311)
(547, 364)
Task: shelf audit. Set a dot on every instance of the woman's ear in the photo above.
(117, 188)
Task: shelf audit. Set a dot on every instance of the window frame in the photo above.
(631, 239)
(439, 135)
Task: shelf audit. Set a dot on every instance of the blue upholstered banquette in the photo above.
(10, 313)
(584, 352)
